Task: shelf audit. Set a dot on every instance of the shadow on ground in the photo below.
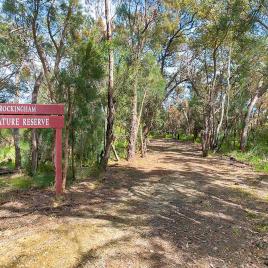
(175, 207)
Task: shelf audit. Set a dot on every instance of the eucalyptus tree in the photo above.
(134, 23)
(152, 91)
(110, 95)
(253, 80)
(212, 78)
(14, 52)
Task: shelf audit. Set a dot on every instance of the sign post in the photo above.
(58, 162)
(37, 116)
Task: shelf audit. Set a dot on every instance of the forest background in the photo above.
(131, 70)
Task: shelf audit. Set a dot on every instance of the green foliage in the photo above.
(43, 179)
(24, 182)
(177, 46)
(121, 146)
(252, 157)
(184, 137)
(257, 153)
(263, 227)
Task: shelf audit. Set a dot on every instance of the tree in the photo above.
(110, 94)
(34, 134)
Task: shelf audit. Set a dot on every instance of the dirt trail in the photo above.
(171, 209)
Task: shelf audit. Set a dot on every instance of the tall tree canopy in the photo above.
(128, 69)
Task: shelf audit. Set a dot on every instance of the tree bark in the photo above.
(216, 136)
(205, 137)
(15, 131)
(111, 101)
(144, 140)
(115, 153)
(16, 137)
(227, 127)
(141, 108)
(208, 132)
(150, 113)
(34, 136)
(141, 129)
(244, 134)
(133, 125)
(142, 143)
(262, 89)
(188, 129)
(72, 156)
(66, 139)
(66, 157)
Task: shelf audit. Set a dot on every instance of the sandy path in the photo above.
(172, 209)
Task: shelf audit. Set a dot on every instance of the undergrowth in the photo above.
(257, 150)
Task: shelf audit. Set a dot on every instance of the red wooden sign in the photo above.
(37, 116)
(31, 121)
(47, 109)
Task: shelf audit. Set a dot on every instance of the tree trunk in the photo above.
(148, 124)
(16, 137)
(216, 136)
(133, 125)
(227, 127)
(195, 132)
(144, 136)
(115, 153)
(72, 156)
(244, 134)
(205, 138)
(206, 133)
(66, 157)
(34, 136)
(234, 141)
(66, 139)
(141, 108)
(142, 143)
(144, 140)
(15, 132)
(188, 129)
(111, 102)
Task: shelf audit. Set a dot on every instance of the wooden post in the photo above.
(58, 161)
